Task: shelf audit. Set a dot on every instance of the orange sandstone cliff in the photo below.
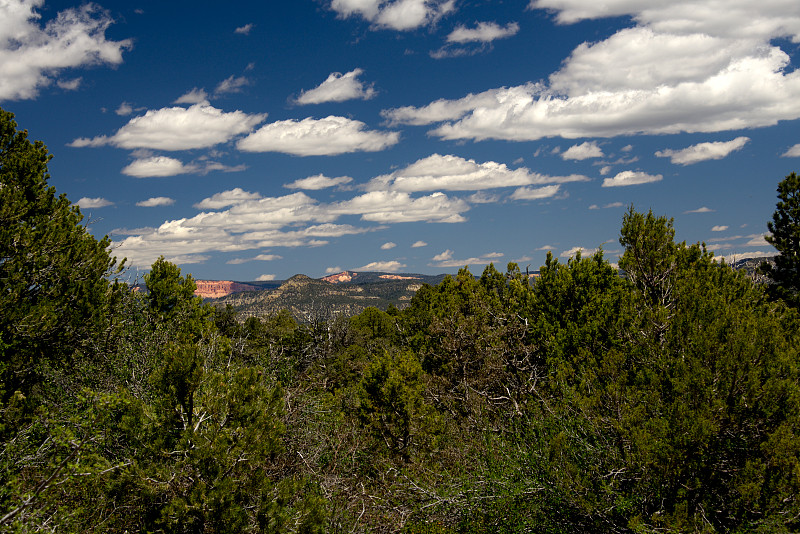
(212, 289)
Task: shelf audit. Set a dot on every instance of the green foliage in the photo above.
(785, 237)
(664, 400)
(392, 404)
(172, 300)
(55, 296)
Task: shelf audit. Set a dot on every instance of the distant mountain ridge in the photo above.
(346, 293)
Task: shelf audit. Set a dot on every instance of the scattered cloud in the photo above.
(32, 55)
(704, 209)
(703, 151)
(226, 198)
(793, 152)
(625, 178)
(317, 182)
(586, 150)
(388, 246)
(260, 257)
(317, 137)
(481, 37)
(338, 87)
(154, 202)
(177, 128)
(232, 84)
(333, 270)
(195, 96)
(157, 166)
(244, 30)
(443, 256)
(482, 197)
(607, 206)
(396, 206)
(757, 240)
(399, 15)
(99, 202)
(418, 244)
(124, 109)
(445, 260)
(247, 221)
(676, 70)
(70, 85)
(535, 193)
(453, 173)
(719, 228)
(382, 266)
(483, 32)
(210, 166)
(265, 278)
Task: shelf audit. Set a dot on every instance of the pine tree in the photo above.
(53, 273)
(785, 237)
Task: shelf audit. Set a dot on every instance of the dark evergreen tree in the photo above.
(53, 273)
(785, 237)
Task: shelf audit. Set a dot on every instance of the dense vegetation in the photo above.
(665, 400)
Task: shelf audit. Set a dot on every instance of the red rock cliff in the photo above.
(212, 289)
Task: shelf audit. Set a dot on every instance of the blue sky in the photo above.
(257, 140)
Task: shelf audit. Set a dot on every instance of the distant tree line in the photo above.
(664, 400)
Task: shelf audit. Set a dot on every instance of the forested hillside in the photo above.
(667, 400)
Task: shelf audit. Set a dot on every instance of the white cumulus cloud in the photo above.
(195, 96)
(157, 166)
(483, 32)
(177, 128)
(98, 202)
(703, 209)
(154, 202)
(338, 87)
(418, 244)
(32, 54)
(247, 221)
(397, 206)
(454, 173)
(719, 228)
(382, 266)
(535, 193)
(631, 178)
(318, 182)
(395, 14)
(317, 137)
(388, 246)
(226, 198)
(445, 260)
(703, 151)
(586, 150)
(683, 67)
(793, 152)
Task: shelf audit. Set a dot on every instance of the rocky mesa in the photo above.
(213, 289)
